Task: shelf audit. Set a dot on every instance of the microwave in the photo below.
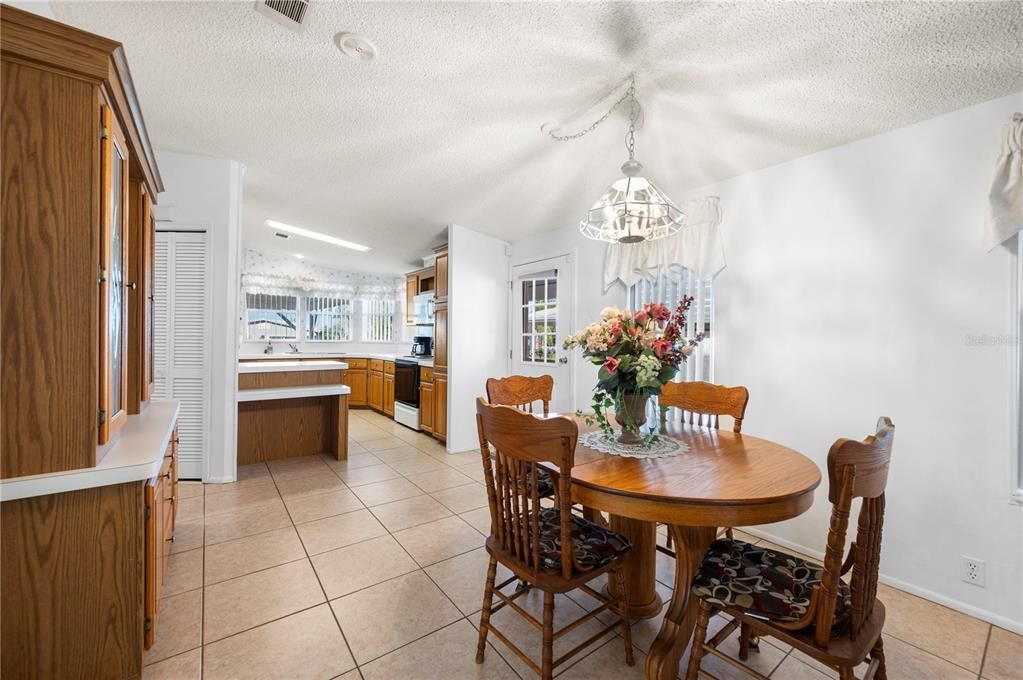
(422, 309)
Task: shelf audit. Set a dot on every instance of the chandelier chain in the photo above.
(629, 96)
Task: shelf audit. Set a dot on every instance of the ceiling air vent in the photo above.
(288, 13)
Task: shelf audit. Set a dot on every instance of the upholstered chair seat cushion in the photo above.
(544, 483)
(593, 546)
(762, 582)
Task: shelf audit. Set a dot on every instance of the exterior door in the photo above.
(541, 311)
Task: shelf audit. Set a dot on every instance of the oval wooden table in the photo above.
(724, 480)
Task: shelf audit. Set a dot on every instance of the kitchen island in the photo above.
(292, 408)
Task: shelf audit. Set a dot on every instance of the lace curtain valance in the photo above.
(275, 275)
(1005, 200)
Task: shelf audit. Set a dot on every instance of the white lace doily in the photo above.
(664, 447)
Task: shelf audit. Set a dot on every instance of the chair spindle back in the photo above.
(521, 441)
(521, 391)
(855, 470)
(703, 403)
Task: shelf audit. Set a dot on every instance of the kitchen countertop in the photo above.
(291, 356)
(290, 365)
(272, 393)
(136, 455)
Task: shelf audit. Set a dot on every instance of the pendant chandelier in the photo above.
(633, 210)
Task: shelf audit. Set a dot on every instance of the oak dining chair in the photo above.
(702, 404)
(806, 605)
(551, 548)
(523, 392)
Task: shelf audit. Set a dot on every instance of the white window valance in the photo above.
(1005, 200)
(696, 247)
(275, 275)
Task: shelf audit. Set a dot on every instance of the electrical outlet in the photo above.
(973, 570)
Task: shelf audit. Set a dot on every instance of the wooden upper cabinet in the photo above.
(441, 278)
(141, 256)
(74, 139)
(411, 290)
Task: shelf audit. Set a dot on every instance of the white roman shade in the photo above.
(268, 274)
(697, 247)
(1005, 200)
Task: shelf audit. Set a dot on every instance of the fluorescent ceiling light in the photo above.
(299, 231)
(300, 256)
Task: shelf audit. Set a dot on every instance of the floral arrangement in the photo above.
(637, 354)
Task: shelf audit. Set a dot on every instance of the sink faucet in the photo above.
(294, 347)
(269, 349)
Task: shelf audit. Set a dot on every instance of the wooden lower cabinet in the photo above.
(440, 404)
(161, 500)
(375, 398)
(357, 381)
(389, 394)
(426, 405)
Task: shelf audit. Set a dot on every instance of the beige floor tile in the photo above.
(364, 432)
(179, 627)
(353, 674)
(665, 570)
(906, 661)
(253, 471)
(355, 447)
(225, 561)
(264, 483)
(241, 499)
(190, 508)
(447, 654)
(296, 468)
(187, 666)
(184, 572)
(354, 567)
(439, 540)
(190, 489)
(465, 458)
(387, 492)
(368, 475)
(765, 661)
(403, 452)
(463, 498)
(939, 630)
(338, 531)
(255, 599)
(606, 663)
(308, 508)
(409, 512)
(528, 638)
(385, 442)
(353, 462)
(794, 669)
(417, 465)
(307, 644)
(479, 519)
(473, 470)
(382, 618)
(462, 578)
(231, 525)
(187, 535)
(321, 482)
(1004, 660)
(438, 480)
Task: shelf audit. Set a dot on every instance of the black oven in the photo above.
(406, 382)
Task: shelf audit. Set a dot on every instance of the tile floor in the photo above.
(373, 568)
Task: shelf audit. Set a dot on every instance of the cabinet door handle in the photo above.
(131, 286)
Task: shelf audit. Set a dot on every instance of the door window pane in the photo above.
(540, 318)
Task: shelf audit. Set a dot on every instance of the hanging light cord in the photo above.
(629, 96)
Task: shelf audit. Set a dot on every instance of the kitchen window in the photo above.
(271, 317)
(378, 320)
(668, 288)
(328, 319)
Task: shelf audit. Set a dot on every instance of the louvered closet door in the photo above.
(182, 309)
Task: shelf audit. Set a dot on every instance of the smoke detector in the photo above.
(290, 13)
(356, 46)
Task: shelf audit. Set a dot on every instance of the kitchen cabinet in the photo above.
(161, 497)
(419, 281)
(426, 407)
(357, 378)
(141, 329)
(440, 348)
(441, 276)
(440, 405)
(388, 406)
(376, 390)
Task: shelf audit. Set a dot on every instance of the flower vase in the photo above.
(630, 414)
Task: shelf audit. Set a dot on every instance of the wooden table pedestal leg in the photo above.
(666, 651)
(640, 568)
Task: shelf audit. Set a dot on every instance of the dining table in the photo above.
(721, 479)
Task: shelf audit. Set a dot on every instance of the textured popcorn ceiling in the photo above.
(445, 125)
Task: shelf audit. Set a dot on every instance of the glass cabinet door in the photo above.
(113, 292)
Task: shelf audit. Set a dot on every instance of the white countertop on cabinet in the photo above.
(136, 455)
(290, 357)
(290, 365)
(271, 393)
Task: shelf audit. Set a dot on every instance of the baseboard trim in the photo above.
(969, 609)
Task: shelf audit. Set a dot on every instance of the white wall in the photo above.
(207, 192)
(588, 268)
(477, 327)
(856, 278)
(40, 7)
